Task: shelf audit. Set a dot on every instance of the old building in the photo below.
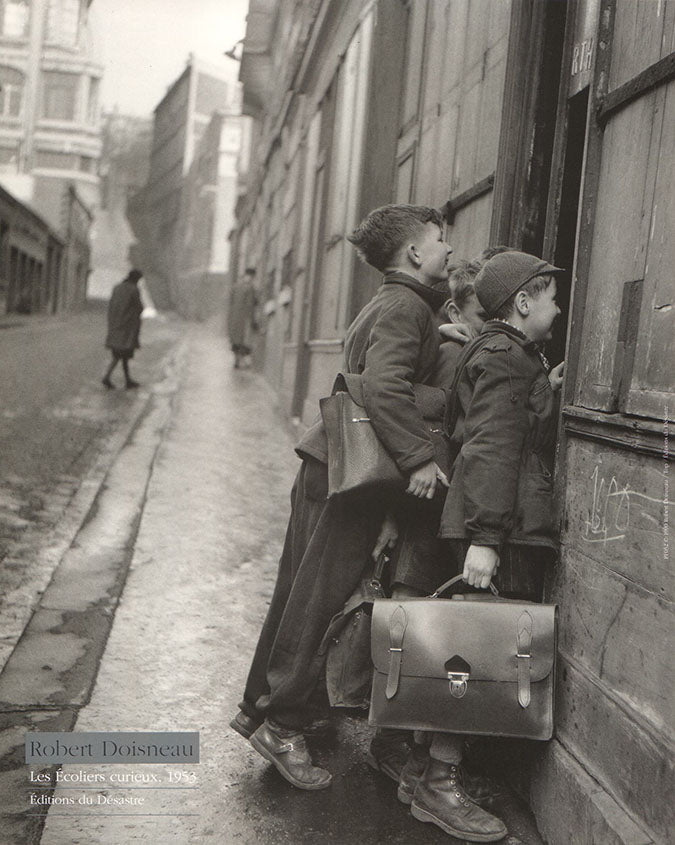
(124, 166)
(166, 212)
(547, 126)
(31, 259)
(207, 218)
(49, 122)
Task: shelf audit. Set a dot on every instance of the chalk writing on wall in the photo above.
(608, 517)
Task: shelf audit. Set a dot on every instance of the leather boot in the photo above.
(441, 800)
(389, 750)
(412, 772)
(289, 755)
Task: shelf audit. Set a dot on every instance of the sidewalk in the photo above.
(202, 566)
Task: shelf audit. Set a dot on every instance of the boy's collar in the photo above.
(432, 296)
(497, 325)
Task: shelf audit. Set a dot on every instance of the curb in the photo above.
(55, 542)
(52, 671)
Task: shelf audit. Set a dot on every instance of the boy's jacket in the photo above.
(501, 485)
(393, 344)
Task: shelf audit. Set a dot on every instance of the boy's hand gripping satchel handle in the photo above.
(454, 581)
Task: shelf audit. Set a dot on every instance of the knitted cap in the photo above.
(505, 274)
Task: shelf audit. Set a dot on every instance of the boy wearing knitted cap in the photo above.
(498, 510)
(501, 487)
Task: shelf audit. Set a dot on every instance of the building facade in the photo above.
(209, 196)
(193, 156)
(546, 126)
(49, 115)
(124, 166)
(32, 259)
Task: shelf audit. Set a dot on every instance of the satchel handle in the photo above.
(382, 561)
(454, 581)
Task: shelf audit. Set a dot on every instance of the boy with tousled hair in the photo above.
(393, 344)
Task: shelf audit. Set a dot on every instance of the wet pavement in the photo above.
(174, 565)
(59, 431)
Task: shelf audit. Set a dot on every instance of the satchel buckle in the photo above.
(458, 683)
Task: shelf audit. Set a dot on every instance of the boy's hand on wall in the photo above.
(423, 480)
(555, 377)
(480, 564)
(387, 537)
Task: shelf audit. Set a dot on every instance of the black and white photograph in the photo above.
(337, 354)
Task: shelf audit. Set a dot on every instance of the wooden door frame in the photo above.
(532, 54)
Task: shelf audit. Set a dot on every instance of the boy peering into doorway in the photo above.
(393, 344)
(498, 511)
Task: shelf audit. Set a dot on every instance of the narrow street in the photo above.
(149, 623)
(59, 430)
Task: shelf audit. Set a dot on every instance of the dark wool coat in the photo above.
(124, 317)
(501, 484)
(393, 343)
(240, 317)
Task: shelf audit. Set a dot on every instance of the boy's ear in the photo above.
(452, 311)
(522, 303)
(413, 255)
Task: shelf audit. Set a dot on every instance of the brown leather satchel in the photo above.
(475, 664)
(357, 458)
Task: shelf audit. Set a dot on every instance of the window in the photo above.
(13, 18)
(414, 59)
(92, 105)
(56, 160)
(11, 92)
(59, 95)
(63, 22)
(9, 155)
(404, 179)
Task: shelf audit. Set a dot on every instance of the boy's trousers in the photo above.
(327, 546)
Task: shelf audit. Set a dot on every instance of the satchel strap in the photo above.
(456, 580)
(524, 657)
(398, 622)
(382, 561)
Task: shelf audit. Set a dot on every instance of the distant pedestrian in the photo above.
(241, 322)
(124, 326)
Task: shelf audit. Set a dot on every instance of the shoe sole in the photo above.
(234, 724)
(260, 748)
(423, 815)
(404, 796)
(379, 767)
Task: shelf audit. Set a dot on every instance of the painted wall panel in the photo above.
(653, 374)
(634, 765)
(620, 238)
(615, 513)
(637, 22)
(620, 633)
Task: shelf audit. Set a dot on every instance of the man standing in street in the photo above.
(124, 326)
(241, 324)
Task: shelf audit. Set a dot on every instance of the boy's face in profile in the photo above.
(433, 252)
(543, 310)
(471, 314)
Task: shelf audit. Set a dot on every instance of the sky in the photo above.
(144, 45)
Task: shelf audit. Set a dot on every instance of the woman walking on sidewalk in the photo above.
(124, 326)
